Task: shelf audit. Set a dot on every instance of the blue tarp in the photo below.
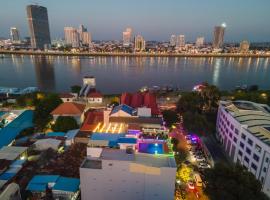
(127, 140)
(36, 187)
(39, 183)
(12, 130)
(56, 134)
(67, 184)
(18, 163)
(72, 133)
(7, 176)
(110, 137)
(124, 108)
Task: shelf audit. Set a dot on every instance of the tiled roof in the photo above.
(67, 184)
(66, 95)
(94, 95)
(69, 108)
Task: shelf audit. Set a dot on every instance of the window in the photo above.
(264, 169)
(253, 166)
(232, 127)
(240, 153)
(266, 160)
(250, 141)
(243, 136)
(258, 148)
(236, 131)
(256, 157)
(248, 150)
(262, 179)
(230, 135)
(246, 159)
(242, 145)
(235, 140)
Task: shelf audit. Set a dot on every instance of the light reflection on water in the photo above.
(117, 74)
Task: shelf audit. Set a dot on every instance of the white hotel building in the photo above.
(117, 174)
(244, 130)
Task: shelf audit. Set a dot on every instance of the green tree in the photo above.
(170, 117)
(43, 109)
(225, 182)
(75, 89)
(210, 95)
(189, 101)
(64, 124)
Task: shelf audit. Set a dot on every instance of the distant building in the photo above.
(84, 36)
(72, 37)
(38, 26)
(139, 43)
(173, 40)
(244, 47)
(14, 34)
(127, 37)
(77, 37)
(218, 40)
(200, 42)
(180, 41)
(122, 174)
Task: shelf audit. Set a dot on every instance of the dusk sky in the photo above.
(154, 19)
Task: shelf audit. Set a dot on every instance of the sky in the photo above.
(154, 19)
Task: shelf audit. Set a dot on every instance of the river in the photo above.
(116, 74)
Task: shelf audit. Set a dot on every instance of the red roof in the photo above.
(126, 98)
(141, 99)
(137, 100)
(66, 95)
(69, 108)
(92, 119)
(94, 95)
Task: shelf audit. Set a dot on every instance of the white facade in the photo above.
(199, 41)
(127, 37)
(94, 100)
(139, 43)
(244, 130)
(180, 42)
(72, 36)
(118, 175)
(173, 40)
(89, 80)
(144, 112)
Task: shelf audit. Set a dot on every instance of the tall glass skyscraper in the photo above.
(38, 26)
(219, 32)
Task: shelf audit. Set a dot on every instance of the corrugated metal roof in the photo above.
(67, 184)
(56, 134)
(124, 108)
(9, 133)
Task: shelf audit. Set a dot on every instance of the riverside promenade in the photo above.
(138, 54)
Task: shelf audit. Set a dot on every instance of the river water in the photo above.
(118, 74)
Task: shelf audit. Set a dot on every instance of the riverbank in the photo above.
(133, 54)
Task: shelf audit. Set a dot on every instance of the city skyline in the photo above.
(152, 19)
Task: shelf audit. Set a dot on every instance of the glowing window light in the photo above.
(120, 128)
(102, 128)
(156, 144)
(108, 128)
(97, 127)
(114, 128)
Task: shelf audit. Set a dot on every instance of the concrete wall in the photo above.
(115, 181)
